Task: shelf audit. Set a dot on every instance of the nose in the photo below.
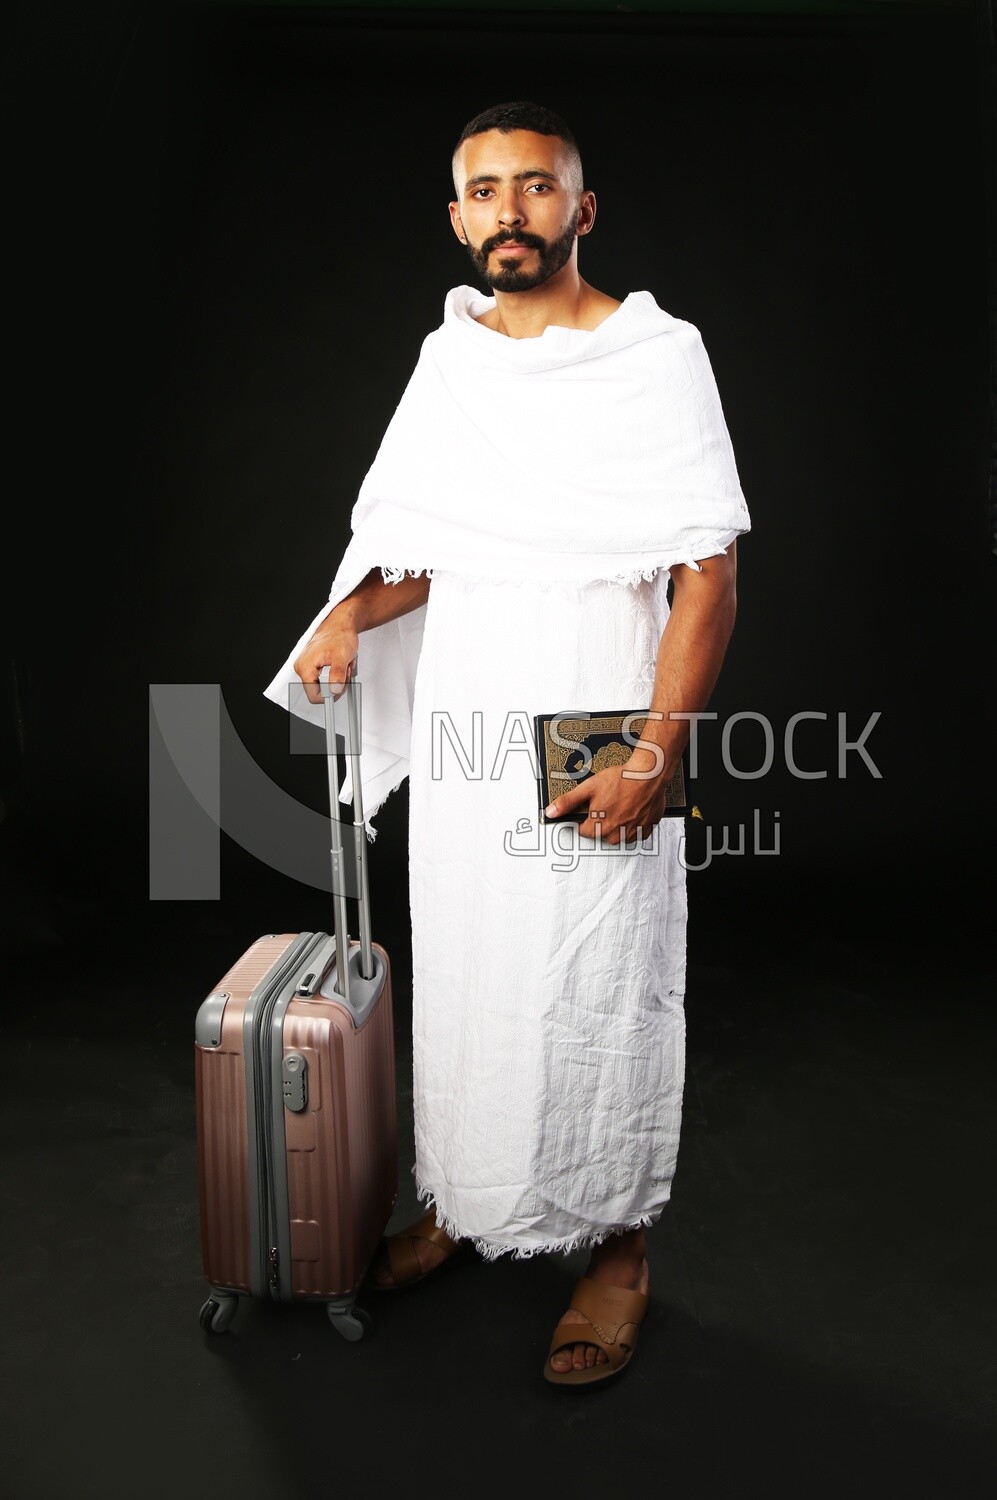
(511, 210)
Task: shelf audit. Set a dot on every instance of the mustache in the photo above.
(508, 238)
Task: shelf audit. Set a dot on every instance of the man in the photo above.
(558, 456)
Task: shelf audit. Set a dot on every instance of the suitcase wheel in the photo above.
(350, 1321)
(217, 1313)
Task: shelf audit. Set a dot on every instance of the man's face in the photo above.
(520, 207)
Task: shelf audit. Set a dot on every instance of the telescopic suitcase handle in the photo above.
(339, 882)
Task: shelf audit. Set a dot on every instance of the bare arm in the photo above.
(336, 639)
(692, 649)
(620, 803)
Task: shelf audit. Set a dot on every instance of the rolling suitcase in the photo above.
(296, 1117)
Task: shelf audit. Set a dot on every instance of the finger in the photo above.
(567, 802)
(595, 826)
(343, 675)
(311, 672)
(331, 680)
(616, 833)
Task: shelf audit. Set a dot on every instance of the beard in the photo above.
(511, 278)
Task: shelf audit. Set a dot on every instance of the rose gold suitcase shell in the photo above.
(296, 1117)
(333, 1178)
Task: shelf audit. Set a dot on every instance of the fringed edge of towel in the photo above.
(369, 829)
(491, 1250)
(631, 576)
(391, 574)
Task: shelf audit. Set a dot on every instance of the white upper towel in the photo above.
(578, 455)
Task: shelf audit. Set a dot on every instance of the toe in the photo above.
(380, 1271)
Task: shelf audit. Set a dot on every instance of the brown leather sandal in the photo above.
(610, 1312)
(403, 1262)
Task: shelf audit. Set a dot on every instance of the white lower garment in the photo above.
(548, 1028)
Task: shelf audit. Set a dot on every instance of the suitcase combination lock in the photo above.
(295, 1082)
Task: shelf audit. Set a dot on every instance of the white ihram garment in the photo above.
(580, 455)
(547, 1002)
(546, 485)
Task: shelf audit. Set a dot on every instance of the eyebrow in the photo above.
(517, 177)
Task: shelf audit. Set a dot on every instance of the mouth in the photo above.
(511, 247)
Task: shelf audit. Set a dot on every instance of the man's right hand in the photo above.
(334, 645)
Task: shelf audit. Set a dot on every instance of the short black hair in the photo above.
(523, 114)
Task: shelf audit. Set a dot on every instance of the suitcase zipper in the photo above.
(268, 1228)
(267, 1254)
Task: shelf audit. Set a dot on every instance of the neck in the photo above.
(564, 300)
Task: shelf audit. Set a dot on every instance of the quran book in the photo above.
(572, 746)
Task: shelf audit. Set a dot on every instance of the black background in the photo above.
(233, 235)
(228, 234)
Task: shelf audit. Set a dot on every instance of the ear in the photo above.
(458, 227)
(586, 212)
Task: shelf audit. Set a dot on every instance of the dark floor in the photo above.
(822, 1319)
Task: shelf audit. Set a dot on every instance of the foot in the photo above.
(428, 1253)
(615, 1269)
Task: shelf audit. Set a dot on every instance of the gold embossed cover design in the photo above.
(605, 737)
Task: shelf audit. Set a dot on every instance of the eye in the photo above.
(478, 191)
(539, 187)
